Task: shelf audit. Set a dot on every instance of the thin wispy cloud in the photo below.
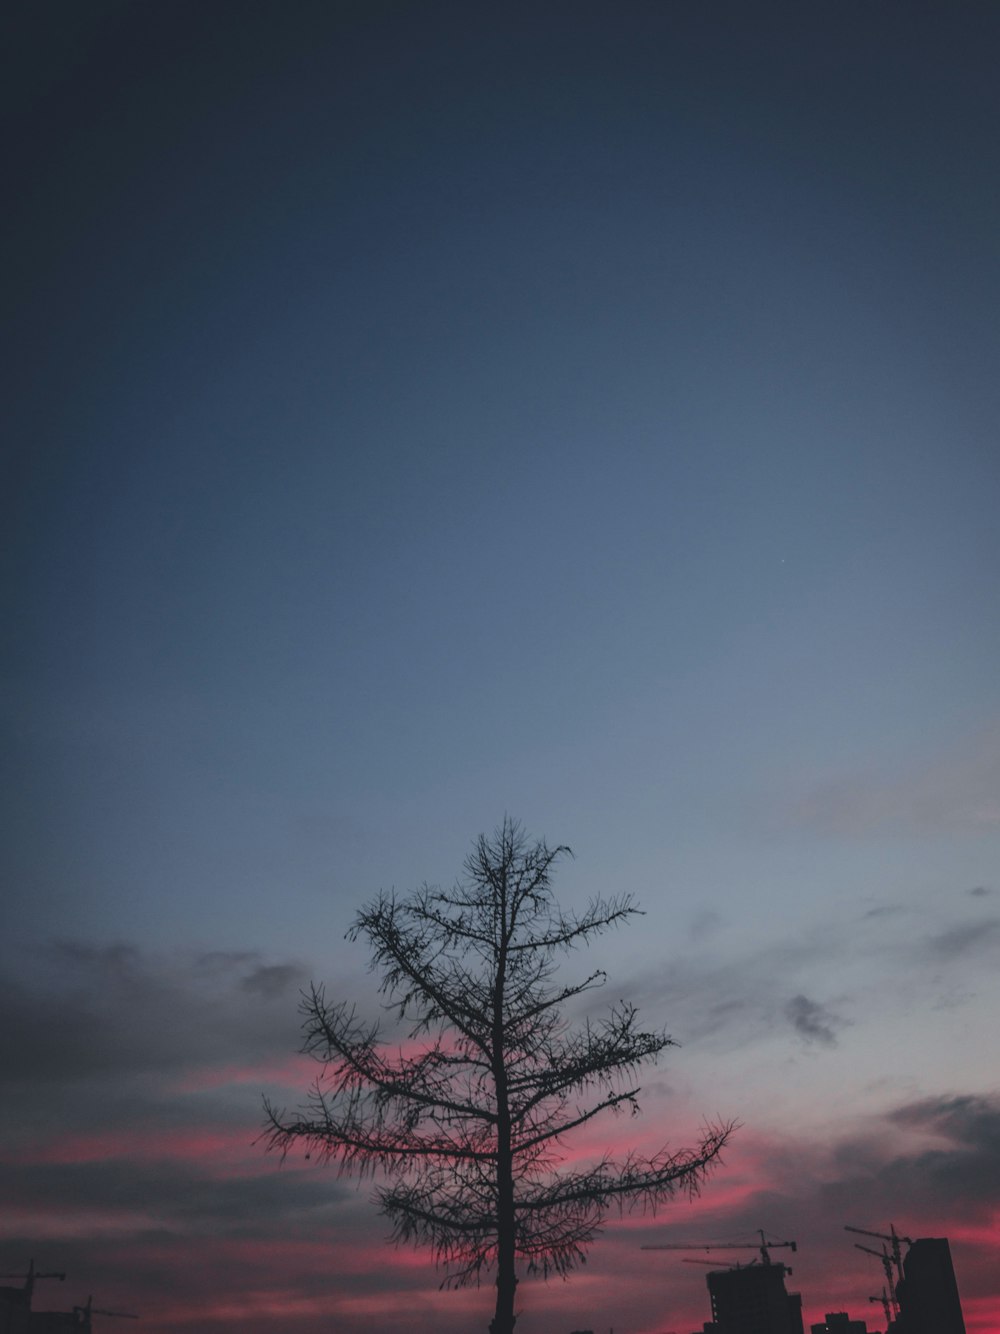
(885, 910)
(740, 998)
(968, 938)
(956, 791)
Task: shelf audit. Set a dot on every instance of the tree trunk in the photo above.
(504, 1318)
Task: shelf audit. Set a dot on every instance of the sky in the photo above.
(417, 413)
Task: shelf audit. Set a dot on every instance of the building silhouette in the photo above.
(16, 1315)
(15, 1306)
(928, 1291)
(839, 1322)
(751, 1299)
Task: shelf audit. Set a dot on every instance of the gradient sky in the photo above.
(417, 413)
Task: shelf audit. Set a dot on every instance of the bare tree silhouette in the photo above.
(467, 1121)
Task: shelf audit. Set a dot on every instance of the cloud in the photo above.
(735, 999)
(272, 980)
(89, 1013)
(173, 1194)
(969, 1124)
(967, 938)
(812, 1021)
(933, 1166)
(861, 972)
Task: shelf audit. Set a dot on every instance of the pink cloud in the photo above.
(210, 1147)
(982, 1315)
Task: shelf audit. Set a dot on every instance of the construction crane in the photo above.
(83, 1313)
(31, 1278)
(886, 1259)
(887, 1269)
(764, 1247)
(886, 1307)
(893, 1237)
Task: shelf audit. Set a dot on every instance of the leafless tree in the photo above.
(466, 1120)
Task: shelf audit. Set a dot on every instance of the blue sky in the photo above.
(418, 414)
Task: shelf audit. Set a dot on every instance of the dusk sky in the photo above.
(417, 413)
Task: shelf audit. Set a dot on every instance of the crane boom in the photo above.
(707, 1246)
(31, 1278)
(892, 1235)
(85, 1312)
(763, 1246)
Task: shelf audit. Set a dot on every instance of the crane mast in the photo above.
(888, 1307)
(892, 1236)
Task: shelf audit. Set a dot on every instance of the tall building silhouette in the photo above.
(928, 1291)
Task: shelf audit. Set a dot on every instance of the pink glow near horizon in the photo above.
(407, 1277)
(834, 1279)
